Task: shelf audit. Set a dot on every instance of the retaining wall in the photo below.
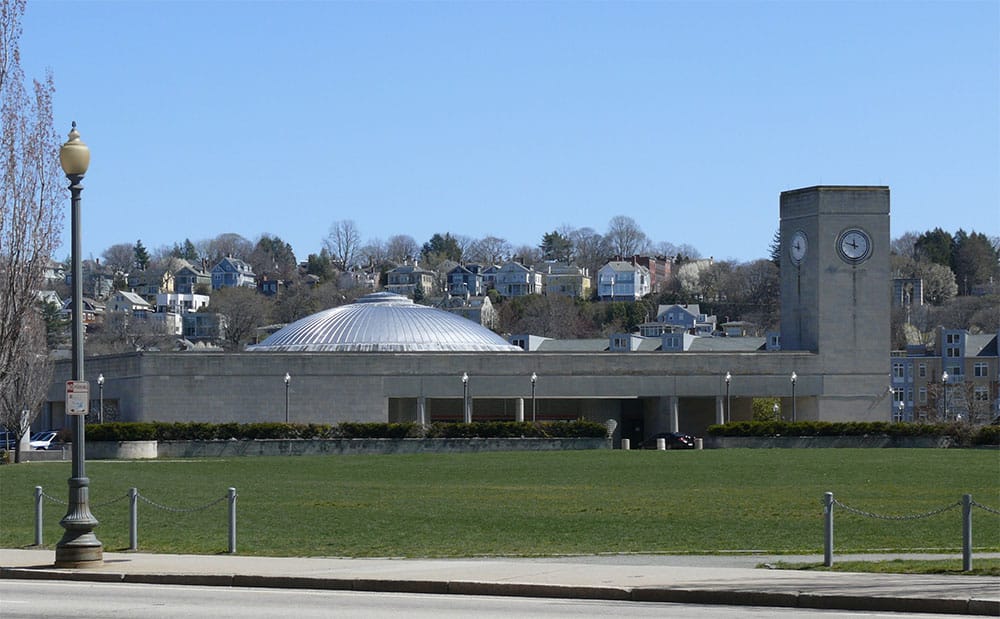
(826, 442)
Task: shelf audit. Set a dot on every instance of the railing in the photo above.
(134, 497)
(967, 503)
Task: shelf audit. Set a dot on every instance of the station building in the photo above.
(385, 358)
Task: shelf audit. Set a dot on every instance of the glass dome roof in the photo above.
(384, 322)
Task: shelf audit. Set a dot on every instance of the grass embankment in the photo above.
(980, 567)
(527, 503)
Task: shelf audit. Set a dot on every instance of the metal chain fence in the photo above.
(933, 512)
(134, 496)
(967, 503)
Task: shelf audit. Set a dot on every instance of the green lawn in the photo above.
(578, 502)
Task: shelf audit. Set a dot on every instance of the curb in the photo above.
(728, 597)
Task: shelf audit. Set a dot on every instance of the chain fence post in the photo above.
(38, 515)
(828, 529)
(232, 521)
(966, 532)
(133, 519)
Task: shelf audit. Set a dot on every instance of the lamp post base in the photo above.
(81, 553)
(79, 547)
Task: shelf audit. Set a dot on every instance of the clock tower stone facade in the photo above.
(835, 294)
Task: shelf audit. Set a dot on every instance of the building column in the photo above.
(673, 415)
(720, 410)
(422, 410)
(519, 409)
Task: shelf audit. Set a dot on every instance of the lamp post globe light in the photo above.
(901, 406)
(79, 547)
(534, 377)
(794, 379)
(288, 381)
(944, 390)
(777, 412)
(466, 413)
(729, 405)
(100, 388)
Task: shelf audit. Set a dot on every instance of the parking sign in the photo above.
(77, 397)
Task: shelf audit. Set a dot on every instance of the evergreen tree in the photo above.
(935, 246)
(556, 247)
(141, 256)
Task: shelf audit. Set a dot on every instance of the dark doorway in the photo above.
(633, 422)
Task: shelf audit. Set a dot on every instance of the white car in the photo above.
(43, 440)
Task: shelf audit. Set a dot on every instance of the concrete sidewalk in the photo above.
(646, 578)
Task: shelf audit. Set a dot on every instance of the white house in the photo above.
(619, 280)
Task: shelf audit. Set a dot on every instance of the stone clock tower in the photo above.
(835, 293)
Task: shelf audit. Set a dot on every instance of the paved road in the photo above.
(33, 599)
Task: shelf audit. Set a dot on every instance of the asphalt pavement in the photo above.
(717, 579)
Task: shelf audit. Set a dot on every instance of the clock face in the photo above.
(797, 248)
(854, 245)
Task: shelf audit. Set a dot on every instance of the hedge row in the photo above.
(963, 433)
(194, 431)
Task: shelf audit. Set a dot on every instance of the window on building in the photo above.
(981, 369)
(922, 395)
(897, 369)
(953, 351)
(922, 370)
(981, 394)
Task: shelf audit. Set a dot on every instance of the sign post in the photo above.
(77, 397)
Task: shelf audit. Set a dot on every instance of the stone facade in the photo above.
(835, 337)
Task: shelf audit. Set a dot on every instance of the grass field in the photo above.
(527, 503)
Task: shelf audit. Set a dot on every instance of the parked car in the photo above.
(44, 440)
(674, 440)
(7, 440)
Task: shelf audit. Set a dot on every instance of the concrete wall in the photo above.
(334, 387)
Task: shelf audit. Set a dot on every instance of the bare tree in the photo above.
(490, 250)
(625, 236)
(227, 244)
(528, 255)
(402, 247)
(30, 193)
(244, 309)
(119, 257)
(122, 332)
(590, 249)
(343, 243)
(31, 375)
(374, 253)
(904, 245)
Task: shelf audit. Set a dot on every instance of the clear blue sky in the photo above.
(512, 119)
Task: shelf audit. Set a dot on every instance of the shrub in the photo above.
(350, 429)
(987, 435)
(963, 434)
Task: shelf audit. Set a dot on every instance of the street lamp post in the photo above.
(794, 379)
(944, 390)
(901, 406)
(777, 412)
(534, 377)
(466, 414)
(100, 388)
(288, 381)
(729, 404)
(79, 547)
